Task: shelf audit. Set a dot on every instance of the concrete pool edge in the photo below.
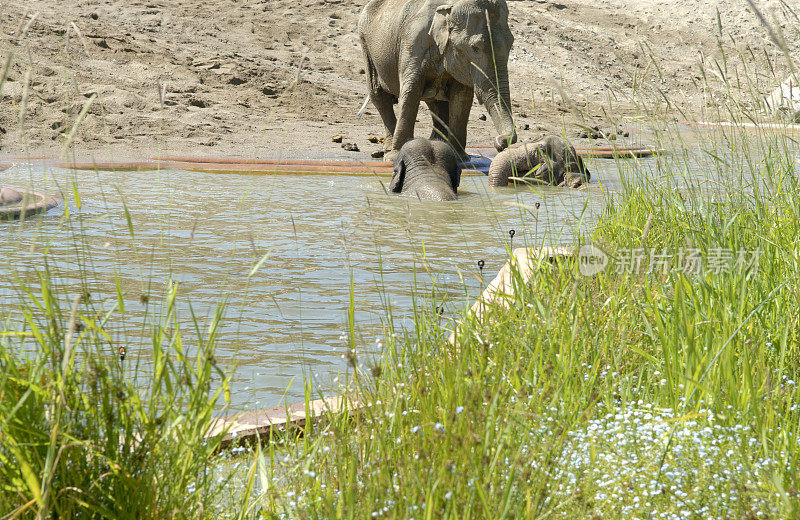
(262, 424)
(501, 289)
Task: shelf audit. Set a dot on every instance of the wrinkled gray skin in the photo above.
(441, 52)
(548, 161)
(426, 169)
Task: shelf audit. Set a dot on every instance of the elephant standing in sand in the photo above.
(441, 52)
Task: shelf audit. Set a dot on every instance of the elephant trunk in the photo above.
(548, 161)
(513, 162)
(497, 100)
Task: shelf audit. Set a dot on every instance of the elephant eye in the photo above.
(476, 43)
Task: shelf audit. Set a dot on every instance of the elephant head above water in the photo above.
(426, 169)
(441, 52)
(548, 161)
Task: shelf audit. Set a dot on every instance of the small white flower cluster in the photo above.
(644, 462)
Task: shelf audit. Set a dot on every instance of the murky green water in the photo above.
(207, 231)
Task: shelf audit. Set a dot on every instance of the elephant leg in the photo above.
(460, 106)
(382, 99)
(383, 103)
(440, 113)
(410, 95)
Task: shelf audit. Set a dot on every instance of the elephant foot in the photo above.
(390, 155)
(387, 144)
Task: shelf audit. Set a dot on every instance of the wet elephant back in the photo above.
(382, 27)
(429, 192)
(428, 183)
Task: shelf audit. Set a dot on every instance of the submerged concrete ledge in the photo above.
(260, 424)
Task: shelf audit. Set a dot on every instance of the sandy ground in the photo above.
(263, 78)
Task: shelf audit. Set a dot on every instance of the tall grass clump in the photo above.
(86, 434)
(87, 429)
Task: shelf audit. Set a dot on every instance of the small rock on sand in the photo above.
(337, 138)
(350, 147)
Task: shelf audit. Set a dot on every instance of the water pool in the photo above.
(208, 231)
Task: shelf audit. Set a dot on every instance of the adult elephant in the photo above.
(443, 53)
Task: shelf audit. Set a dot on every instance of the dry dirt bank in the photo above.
(280, 77)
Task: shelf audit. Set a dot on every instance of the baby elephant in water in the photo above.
(548, 161)
(426, 169)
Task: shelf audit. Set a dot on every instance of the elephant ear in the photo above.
(399, 177)
(453, 168)
(440, 27)
(455, 175)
